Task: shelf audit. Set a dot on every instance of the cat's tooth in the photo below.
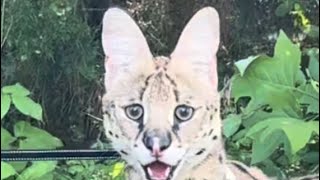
(168, 171)
(150, 172)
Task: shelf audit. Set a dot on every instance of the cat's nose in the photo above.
(157, 141)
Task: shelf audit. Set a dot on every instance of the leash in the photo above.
(56, 155)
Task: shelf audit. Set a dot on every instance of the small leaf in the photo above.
(5, 104)
(27, 106)
(283, 9)
(117, 169)
(35, 138)
(6, 170)
(17, 90)
(37, 170)
(6, 139)
(231, 125)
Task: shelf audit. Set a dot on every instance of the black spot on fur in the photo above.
(216, 110)
(214, 138)
(117, 136)
(211, 131)
(135, 145)
(220, 159)
(211, 117)
(176, 93)
(200, 152)
(111, 134)
(123, 152)
(204, 135)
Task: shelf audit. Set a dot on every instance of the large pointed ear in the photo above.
(199, 43)
(124, 45)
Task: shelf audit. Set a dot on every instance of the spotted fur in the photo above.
(159, 85)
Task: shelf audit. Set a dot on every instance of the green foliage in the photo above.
(279, 105)
(18, 95)
(6, 170)
(24, 136)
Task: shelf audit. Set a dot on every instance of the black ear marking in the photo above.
(200, 152)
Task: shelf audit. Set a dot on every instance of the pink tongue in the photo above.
(158, 170)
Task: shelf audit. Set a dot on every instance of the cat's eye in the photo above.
(134, 112)
(184, 113)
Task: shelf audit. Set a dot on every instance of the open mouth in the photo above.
(159, 171)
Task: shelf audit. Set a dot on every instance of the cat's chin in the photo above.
(159, 171)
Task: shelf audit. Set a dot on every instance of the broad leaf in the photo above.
(6, 170)
(231, 125)
(270, 81)
(310, 98)
(314, 63)
(17, 90)
(35, 138)
(293, 141)
(37, 170)
(118, 169)
(6, 139)
(5, 104)
(27, 106)
(261, 150)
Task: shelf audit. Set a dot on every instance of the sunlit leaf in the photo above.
(34, 138)
(5, 104)
(16, 89)
(37, 170)
(27, 106)
(6, 170)
(6, 139)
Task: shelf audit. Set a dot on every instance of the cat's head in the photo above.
(161, 113)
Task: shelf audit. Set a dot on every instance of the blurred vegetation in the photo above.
(52, 48)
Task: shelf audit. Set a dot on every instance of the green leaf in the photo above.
(5, 104)
(284, 9)
(305, 129)
(262, 132)
(261, 150)
(35, 138)
(314, 63)
(118, 169)
(18, 166)
(6, 139)
(243, 64)
(231, 125)
(310, 98)
(27, 106)
(270, 81)
(37, 170)
(17, 90)
(6, 170)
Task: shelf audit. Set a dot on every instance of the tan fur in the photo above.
(160, 84)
